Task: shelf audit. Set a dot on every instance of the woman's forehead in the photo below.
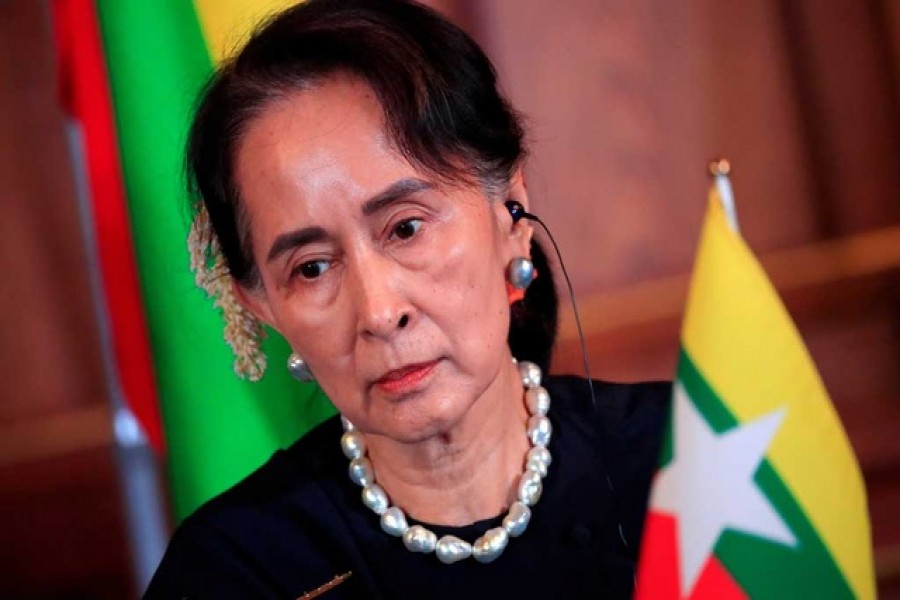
(340, 114)
(326, 140)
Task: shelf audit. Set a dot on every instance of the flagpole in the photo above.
(720, 169)
(146, 521)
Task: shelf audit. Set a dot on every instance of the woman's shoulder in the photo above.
(619, 408)
(625, 422)
(287, 480)
(275, 522)
(628, 419)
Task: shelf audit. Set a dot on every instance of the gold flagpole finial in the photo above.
(719, 166)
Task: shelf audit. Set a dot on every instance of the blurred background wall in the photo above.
(626, 100)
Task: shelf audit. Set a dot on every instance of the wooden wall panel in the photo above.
(60, 515)
(842, 54)
(48, 351)
(627, 101)
(63, 529)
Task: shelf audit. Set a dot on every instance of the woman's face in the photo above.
(390, 285)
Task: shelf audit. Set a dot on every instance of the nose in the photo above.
(380, 295)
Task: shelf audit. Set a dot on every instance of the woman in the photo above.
(355, 161)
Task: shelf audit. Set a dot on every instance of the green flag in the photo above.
(218, 427)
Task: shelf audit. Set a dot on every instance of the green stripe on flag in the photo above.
(705, 398)
(766, 569)
(218, 427)
(712, 409)
(668, 442)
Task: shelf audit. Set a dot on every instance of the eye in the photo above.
(311, 269)
(407, 228)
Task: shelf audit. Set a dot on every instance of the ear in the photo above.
(255, 301)
(517, 236)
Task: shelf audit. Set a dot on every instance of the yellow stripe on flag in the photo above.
(227, 24)
(746, 346)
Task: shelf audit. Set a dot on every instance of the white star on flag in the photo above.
(708, 486)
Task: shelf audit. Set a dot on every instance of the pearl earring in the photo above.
(298, 368)
(520, 272)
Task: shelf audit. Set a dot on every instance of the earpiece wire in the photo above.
(587, 367)
(562, 266)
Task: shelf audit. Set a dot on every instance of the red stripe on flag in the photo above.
(658, 567)
(86, 95)
(658, 576)
(716, 583)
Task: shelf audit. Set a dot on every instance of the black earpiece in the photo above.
(517, 211)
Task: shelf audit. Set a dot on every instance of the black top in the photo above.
(298, 522)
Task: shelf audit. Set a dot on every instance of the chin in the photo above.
(419, 419)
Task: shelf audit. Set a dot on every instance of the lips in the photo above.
(406, 378)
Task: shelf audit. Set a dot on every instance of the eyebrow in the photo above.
(395, 192)
(295, 239)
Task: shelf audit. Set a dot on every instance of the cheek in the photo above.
(470, 289)
(321, 336)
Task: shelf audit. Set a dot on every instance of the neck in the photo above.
(466, 474)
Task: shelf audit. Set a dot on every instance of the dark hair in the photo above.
(442, 109)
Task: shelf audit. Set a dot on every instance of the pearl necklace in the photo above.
(450, 549)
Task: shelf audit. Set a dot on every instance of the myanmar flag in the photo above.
(131, 72)
(759, 494)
